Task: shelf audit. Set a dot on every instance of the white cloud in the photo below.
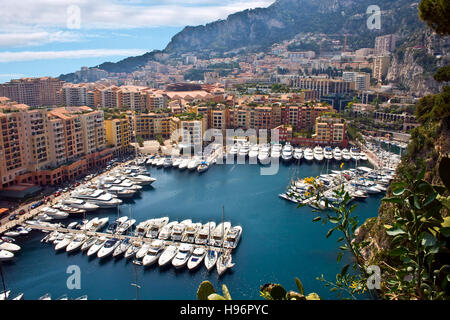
(68, 54)
(36, 38)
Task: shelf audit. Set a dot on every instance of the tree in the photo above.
(436, 14)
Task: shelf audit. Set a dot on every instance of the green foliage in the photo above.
(272, 291)
(436, 13)
(419, 241)
(206, 292)
(434, 107)
(443, 74)
(140, 141)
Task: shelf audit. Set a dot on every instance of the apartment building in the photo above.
(191, 128)
(73, 94)
(330, 129)
(33, 92)
(385, 44)
(148, 125)
(118, 134)
(303, 117)
(323, 86)
(381, 67)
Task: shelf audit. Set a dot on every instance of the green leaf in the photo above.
(398, 191)
(329, 232)
(392, 200)
(395, 232)
(278, 292)
(339, 256)
(417, 203)
(344, 270)
(427, 239)
(316, 219)
(299, 286)
(312, 296)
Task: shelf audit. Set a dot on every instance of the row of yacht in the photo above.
(287, 152)
(195, 163)
(360, 183)
(155, 240)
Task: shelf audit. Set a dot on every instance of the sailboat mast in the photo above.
(223, 226)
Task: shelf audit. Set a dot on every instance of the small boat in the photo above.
(122, 247)
(183, 255)
(133, 249)
(337, 154)
(11, 247)
(224, 262)
(76, 243)
(167, 163)
(85, 297)
(6, 256)
(64, 242)
(193, 164)
(18, 297)
(286, 153)
(318, 153)
(298, 153)
(176, 162)
(202, 167)
(153, 253)
(160, 162)
(143, 250)
(196, 258)
(308, 155)
(125, 226)
(96, 246)
(167, 255)
(211, 258)
(183, 164)
(88, 243)
(108, 248)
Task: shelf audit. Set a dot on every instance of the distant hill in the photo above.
(257, 29)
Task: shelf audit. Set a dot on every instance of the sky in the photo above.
(53, 37)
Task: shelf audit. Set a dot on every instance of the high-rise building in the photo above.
(118, 134)
(33, 92)
(381, 66)
(330, 129)
(385, 44)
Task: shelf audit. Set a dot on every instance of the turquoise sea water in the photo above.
(279, 241)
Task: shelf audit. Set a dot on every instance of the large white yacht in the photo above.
(153, 254)
(328, 153)
(141, 179)
(79, 203)
(244, 149)
(355, 154)
(346, 154)
(167, 255)
(108, 248)
(253, 153)
(193, 164)
(318, 153)
(263, 154)
(196, 258)
(183, 255)
(276, 151)
(183, 164)
(337, 154)
(298, 153)
(154, 226)
(308, 154)
(219, 234)
(205, 232)
(98, 197)
(287, 151)
(178, 230)
(232, 237)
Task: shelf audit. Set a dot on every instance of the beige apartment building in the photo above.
(330, 129)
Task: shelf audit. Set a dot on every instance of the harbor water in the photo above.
(279, 242)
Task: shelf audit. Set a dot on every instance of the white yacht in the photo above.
(202, 167)
(346, 154)
(355, 154)
(263, 154)
(219, 233)
(193, 164)
(141, 179)
(108, 248)
(153, 253)
(318, 153)
(244, 149)
(276, 151)
(89, 243)
(160, 162)
(121, 192)
(64, 242)
(298, 154)
(363, 156)
(191, 232)
(97, 197)
(183, 255)
(224, 262)
(205, 232)
(133, 249)
(176, 162)
(166, 231)
(253, 153)
(232, 237)
(167, 255)
(143, 250)
(328, 153)
(124, 226)
(96, 246)
(11, 247)
(68, 209)
(122, 247)
(196, 258)
(211, 258)
(167, 163)
(54, 213)
(337, 154)
(178, 230)
(234, 149)
(5, 256)
(183, 164)
(287, 152)
(76, 243)
(154, 226)
(96, 224)
(308, 154)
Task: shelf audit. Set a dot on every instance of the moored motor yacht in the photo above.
(178, 230)
(211, 258)
(232, 237)
(318, 153)
(308, 155)
(54, 213)
(183, 164)
(253, 153)
(183, 255)
(196, 258)
(244, 149)
(205, 232)
(108, 248)
(276, 151)
(167, 255)
(287, 151)
(328, 153)
(263, 154)
(346, 154)
(124, 226)
(122, 247)
(98, 197)
(153, 253)
(64, 242)
(190, 232)
(354, 153)
(11, 247)
(154, 226)
(89, 243)
(203, 166)
(298, 153)
(143, 250)
(166, 231)
(78, 203)
(224, 262)
(96, 246)
(133, 249)
(193, 164)
(176, 162)
(337, 154)
(219, 233)
(76, 243)
(5, 256)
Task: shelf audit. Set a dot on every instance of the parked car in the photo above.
(21, 212)
(13, 217)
